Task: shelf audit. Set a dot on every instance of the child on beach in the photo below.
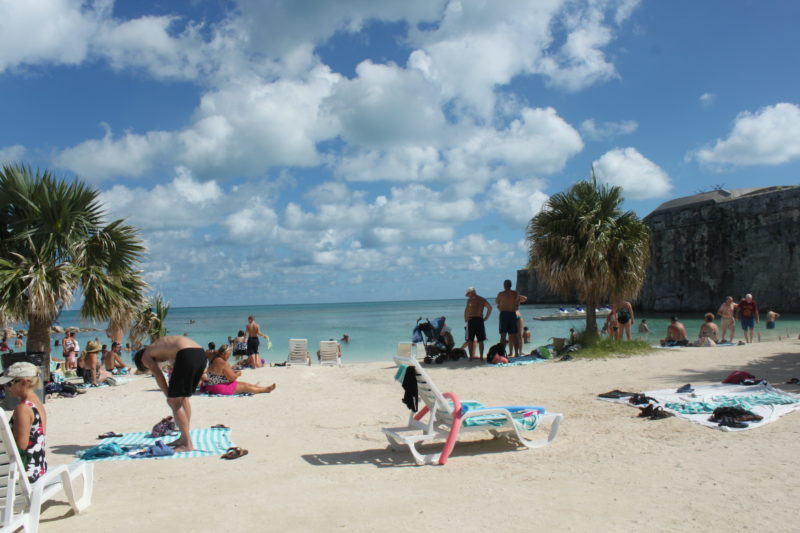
(29, 421)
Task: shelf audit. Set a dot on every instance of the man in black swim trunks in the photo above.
(508, 303)
(253, 332)
(188, 362)
(473, 316)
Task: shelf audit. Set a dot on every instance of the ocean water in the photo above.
(375, 328)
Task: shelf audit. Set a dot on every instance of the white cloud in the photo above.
(47, 31)
(770, 136)
(10, 155)
(639, 177)
(607, 130)
(517, 202)
(129, 155)
(708, 99)
(180, 204)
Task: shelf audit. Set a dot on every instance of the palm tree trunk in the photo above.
(39, 341)
(591, 319)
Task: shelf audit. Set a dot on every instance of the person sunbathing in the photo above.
(113, 362)
(708, 332)
(676, 334)
(220, 378)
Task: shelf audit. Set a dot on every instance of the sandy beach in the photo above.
(318, 461)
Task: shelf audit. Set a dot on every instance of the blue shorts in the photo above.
(770, 325)
(747, 323)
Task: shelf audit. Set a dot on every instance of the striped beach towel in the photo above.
(207, 441)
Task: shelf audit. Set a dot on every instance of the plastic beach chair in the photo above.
(329, 353)
(298, 352)
(444, 416)
(21, 501)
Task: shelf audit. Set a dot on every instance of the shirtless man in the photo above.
(676, 334)
(473, 316)
(112, 360)
(726, 311)
(772, 316)
(253, 333)
(625, 318)
(188, 362)
(508, 303)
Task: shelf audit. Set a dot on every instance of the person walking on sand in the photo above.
(726, 311)
(748, 316)
(474, 317)
(253, 333)
(508, 303)
(772, 316)
(188, 362)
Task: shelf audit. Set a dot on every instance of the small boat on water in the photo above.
(577, 312)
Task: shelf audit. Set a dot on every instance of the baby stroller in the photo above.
(438, 347)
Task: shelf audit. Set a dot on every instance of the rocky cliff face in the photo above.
(716, 244)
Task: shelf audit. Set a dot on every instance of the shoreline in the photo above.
(318, 459)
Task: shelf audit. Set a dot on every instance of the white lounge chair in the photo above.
(20, 501)
(447, 416)
(329, 353)
(298, 352)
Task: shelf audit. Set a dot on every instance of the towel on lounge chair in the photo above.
(526, 417)
(207, 441)
(698, 406)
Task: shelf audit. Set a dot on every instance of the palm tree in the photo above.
(583, 242)
(150, 321)
(52, 243)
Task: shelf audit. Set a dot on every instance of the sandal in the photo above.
(646, 411)
(659, 413)
(109, 435)
(220, 426)
(793, 381)
(234, 453)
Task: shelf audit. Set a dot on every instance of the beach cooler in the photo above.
(35, 358)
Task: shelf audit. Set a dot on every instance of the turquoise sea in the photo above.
(375, 328)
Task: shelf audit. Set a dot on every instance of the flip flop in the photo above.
(234, 453)
(685, 388)
(659, 413)
(220, 426)
(109, 434)
(793, 381)
(646, 411)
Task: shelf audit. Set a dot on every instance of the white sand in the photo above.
(318, 460)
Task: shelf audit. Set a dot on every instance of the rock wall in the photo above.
(725, 244)
(716, 244)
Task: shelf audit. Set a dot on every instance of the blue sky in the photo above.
(289, 152)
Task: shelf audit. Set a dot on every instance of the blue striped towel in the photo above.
(207, 441)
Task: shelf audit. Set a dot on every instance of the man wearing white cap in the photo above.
(474, 317)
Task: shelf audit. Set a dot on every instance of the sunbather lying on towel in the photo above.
(220, 378)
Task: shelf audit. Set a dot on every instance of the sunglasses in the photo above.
(12, 382)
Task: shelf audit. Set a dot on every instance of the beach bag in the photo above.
(163, 428)
(497, 349)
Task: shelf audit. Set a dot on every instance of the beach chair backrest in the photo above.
(14, 487)
(328, 353)
(298, 350)
(428, 391)
(404, 349)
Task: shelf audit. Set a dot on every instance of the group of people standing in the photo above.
(512, 329)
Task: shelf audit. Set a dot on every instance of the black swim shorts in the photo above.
(475, 329)
(508, 322)
(186, 372)
(252, 345)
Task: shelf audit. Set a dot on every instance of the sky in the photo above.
(277, 152)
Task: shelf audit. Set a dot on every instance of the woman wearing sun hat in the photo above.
(29, 420)
(93, 372)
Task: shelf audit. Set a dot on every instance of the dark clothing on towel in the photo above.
(186, 372)
(411, 396)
